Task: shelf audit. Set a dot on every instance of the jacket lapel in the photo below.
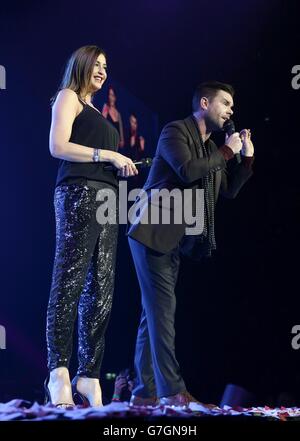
(193, 130)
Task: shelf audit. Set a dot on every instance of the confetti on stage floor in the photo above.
(18, 410)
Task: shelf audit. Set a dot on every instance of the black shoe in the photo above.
(78, 397)
(47, 399)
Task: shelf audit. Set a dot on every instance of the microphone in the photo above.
(143, 163)
(229, 129)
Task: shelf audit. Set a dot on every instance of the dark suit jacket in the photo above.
(179, 163)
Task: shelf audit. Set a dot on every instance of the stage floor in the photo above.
(22, 410)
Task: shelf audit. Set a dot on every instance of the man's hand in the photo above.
(120, 384)
(247, 148)
(234, 142)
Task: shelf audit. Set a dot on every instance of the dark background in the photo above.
(235, 313)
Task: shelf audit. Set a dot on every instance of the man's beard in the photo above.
(213, 125)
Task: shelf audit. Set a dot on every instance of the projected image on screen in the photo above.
(137, 125)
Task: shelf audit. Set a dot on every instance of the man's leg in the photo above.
(157, 274)
(144, 383)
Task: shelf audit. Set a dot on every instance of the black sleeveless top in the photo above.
(92, 130)
(116, 124)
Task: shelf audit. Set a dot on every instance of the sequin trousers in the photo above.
(82, 280)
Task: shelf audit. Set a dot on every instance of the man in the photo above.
(185, 158)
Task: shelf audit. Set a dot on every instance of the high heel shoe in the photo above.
(47, 399)
(78, 397)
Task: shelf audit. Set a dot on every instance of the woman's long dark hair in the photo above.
(78, 71)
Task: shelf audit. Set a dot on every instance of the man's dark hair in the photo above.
(209, 89)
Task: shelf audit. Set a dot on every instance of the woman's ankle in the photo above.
(60, 374)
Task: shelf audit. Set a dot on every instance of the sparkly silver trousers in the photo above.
(82, 281)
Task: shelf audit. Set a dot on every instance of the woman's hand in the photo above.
(124, 165)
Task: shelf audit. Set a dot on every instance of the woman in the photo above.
(83, 272)
(136, 142)
(111, 112)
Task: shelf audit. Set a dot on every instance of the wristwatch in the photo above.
(96, 155)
